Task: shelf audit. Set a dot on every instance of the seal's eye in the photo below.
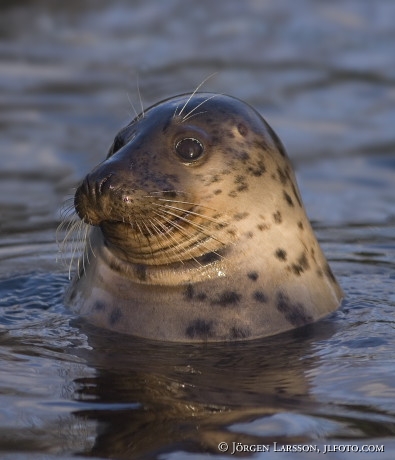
(189, 149)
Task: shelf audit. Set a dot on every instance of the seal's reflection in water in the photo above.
(167, 397)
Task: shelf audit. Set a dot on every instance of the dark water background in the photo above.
(323, 74)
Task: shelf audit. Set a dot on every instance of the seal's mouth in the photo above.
(165, 236)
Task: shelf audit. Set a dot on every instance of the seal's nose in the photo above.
(88, 198)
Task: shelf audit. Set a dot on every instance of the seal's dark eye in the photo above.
(189, 149)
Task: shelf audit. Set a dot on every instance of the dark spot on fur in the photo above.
(209, 258)
(262, 227)
(115, 316)
(199, 328)
(261, 143)
(297, 269)
(99, 306)
(244, 157)
(320, 273)
(282, 176)
(221, 225)
(294, 313)
(240, 215)
(217, 192)
(240, 332)
(214, 179)
(253, 276)
(288, 199)
(189, 292)
(277, 217)
(303, 262)
(258, 170)
(232, 194)
(243, 130)
(260, 296)
(329, 273)
(281, 254)
(201, 296)
(241, 183)
(141, 272)
(296, 194)
(169, 194)
(249, 235)
(300, 225)
(228, 298)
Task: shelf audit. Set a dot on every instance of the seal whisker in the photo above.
(184, 232)
(84, 255)
(78, 228)
(138, 230)
(175, 111)
(199, 242)
(190, 222)
(140, 98)
(73, 233)
(194, 92)
(188, 212)
(188, 115)
(201, 229)
(150, 234)
(186, 118)
(87, 245)
(173, 244)
(188, 202)
(136, 114)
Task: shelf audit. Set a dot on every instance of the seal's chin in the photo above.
(160, 244)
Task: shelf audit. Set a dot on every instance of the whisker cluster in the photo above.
(191, 114)
(72, 237)
(173, 230)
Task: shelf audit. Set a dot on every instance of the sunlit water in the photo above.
(322, 74)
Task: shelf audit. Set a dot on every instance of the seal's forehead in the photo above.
(185, 106)
(201, 109)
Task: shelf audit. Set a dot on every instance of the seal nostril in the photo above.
(103, 183)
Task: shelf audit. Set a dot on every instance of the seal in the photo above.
(198, 229)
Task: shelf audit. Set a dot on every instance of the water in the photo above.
(322, 74)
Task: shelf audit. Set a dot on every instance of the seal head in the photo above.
(199, 231)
